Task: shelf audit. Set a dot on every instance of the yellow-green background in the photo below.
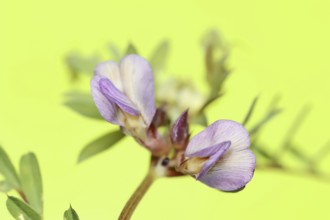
(278, 47)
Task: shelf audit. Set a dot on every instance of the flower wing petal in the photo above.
(117, 97)
(208, 151)
(218, 132)
(110, 70)
(232, 172)
(138, 83)
(219, 150)
(107, 109)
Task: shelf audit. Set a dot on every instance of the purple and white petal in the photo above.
(219, 150)
(107, 109)
(110, 70)
(218, 132)
(209, 151)
(138, 83)
(117, 97)
(232, 172)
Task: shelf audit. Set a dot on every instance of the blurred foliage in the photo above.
(31, 181)
(159, 56)
(9, 173)
(21, 210)
(275, 159)
(70, 214)
(131, 49)
(82, 103)
(100, 144)
(28, 185)
(79, 64)
(216, 54)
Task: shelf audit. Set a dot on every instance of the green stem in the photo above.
(133, 202)
(23, 196)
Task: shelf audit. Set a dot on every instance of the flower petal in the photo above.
(110, 70)
(107, 109)
(218, 132)
(219, 150)
(208, 151)
(138, 83)
(232, 172)
(117, 97)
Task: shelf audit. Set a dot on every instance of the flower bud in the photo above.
(180, 132)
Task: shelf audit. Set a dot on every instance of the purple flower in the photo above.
(124, 94)
(220, 157)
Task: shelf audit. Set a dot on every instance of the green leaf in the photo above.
(8, 171)
(294, 128)
(263, 153)
(5, 186)
(216, 53)
(99, 145)
(200, 119)
(322, 153)
(83, 104)
(70, 214)
(251, 109)
(159, 57)
(81, 64)
(264, 121)
(299, 154)
(212, 38)
(114, 51)
(287, 143)
(131, 49)
(31, 181)
(210, 100)
(20, 210)
(217, 78)
(274, 102)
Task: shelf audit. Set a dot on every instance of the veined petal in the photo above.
(232, 172)
(219, 150)
(138, 85)
(107, 109)
(208, 151)
(218, 132)
(110, 70)
(117, 97)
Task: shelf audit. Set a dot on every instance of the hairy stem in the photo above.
(134, 200)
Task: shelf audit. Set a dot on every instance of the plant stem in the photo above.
(134, 200)
(23, 196)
